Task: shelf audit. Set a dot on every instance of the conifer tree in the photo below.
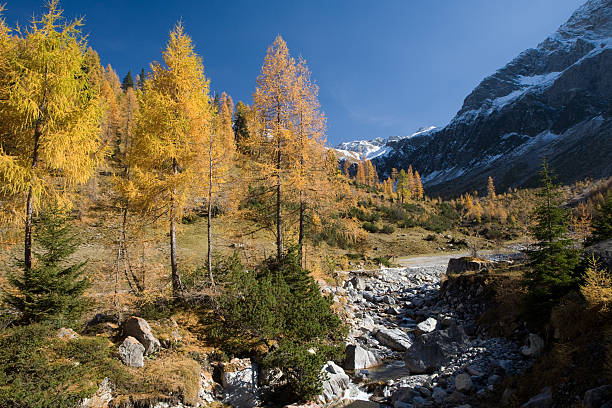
(403, 186)
(361, 172)
(49, 113)
(371, 174)
(141, 79)
(241, 129)
(602, 224)
(346, 166)
(491, 189)
(127, 82)
(221, 148)
(418, 186)
(275, 140)
(53, 288)
(168, 157)
(552, 263)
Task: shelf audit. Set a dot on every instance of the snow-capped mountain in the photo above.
(552, 101)
(371, 149)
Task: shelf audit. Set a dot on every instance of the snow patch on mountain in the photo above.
(371, 149)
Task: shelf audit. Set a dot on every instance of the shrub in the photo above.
(382, 260)
(370, 227)
(277, 301)
(387, 229)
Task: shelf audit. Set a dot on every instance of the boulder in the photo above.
(596, 397)
(67, 334)
(337, 381)
(131, 352)
(239, 380)
(603, 252)
(358, 283)
(438, 395)
(466, 264)
(534, 346)
(463, 383)
(431, 350)
(427, 325)
(138, 328)
(101, 398)
(543, 400)
(396, 339)
(357, 358)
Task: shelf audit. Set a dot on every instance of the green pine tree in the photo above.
(141, 79)
(127, 82)
(602, 224)
(53, 289)
(552, 265)
(241, 131)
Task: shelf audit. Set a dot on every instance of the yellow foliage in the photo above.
(597, 287)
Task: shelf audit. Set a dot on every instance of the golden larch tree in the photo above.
(491, 189)
(168, 158)
(274, 141)
(49, 113)
(221, 149)
(418, 186)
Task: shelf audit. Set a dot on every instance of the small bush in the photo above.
(370, 227)
(430, 238)
(382, 260)
(387, 229)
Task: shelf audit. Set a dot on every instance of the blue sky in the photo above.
(383, 67)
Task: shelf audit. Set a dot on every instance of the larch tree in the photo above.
(50, 115)
(418, 186)
(168, 155)
(491, 189)
(311, 175)
(221, 148)
(274, 142)
(361, 172)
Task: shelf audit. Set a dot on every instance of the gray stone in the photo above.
(358, 283)
(438, 395)
(101, 398)
(396, 339)
(463, 383)
(358, 358)
(543, 400)
(138, 328)
(534, 346)
(428, 325)
(493, 379)
(67, 334)
(596, 397)
(239, 380)
(337, 381)
(431, 350)
(507, 396)
(131, 352)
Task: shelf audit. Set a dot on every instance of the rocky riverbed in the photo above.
(411, 347)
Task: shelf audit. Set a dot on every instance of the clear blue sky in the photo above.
(384, 67)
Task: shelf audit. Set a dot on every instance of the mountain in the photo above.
(374, 148)
(552, 101)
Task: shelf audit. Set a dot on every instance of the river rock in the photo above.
(337, 381)
(239, 380)
(431, 350)
(427, 325)
(438, 395)
(596, 397)
(534, 346)
(138, 328)
(357, 358)
(467, 263)
(463, 383)
(543, 400)
(131, 352)
(358, 283)
(396, 339)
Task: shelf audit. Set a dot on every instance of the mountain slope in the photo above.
(552, 101)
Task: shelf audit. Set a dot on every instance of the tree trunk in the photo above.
(27, 256)
(209, 218)
(177, 285)
(301, 231)
(279, 215)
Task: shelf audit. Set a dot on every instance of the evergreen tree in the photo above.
(551, 274)
(141, 79)
(52, 289)
(602, 224)
(127, 82)
(241, 129)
